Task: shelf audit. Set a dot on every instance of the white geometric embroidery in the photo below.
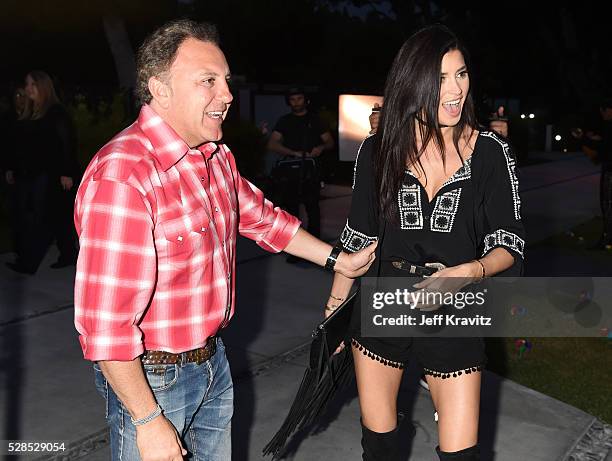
(357, 159)
(511, 165)
(353, 240)
(409, 171)
(465, 172)
(409, 201)
(445, 211)
(502, 237)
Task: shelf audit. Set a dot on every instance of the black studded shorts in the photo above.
(439, 357)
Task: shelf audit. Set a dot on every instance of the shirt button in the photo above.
(180, 238)
(217, 209)
(202, 179)
(203, 229)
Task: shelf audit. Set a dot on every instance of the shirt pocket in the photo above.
(187, 238)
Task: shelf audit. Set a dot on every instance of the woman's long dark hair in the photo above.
(413, 90)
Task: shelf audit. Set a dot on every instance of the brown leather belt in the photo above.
(198, 356)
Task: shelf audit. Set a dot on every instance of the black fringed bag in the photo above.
(326, 372)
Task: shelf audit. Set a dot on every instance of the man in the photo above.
(300, 134)
(157, 214)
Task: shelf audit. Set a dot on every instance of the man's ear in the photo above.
(160, 91)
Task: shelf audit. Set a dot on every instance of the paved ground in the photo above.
(47, 392)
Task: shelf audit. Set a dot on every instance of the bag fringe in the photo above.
(313, 396)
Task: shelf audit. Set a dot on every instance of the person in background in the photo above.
(45, 159)
(597, 145)
(300, 134)
(21, 111)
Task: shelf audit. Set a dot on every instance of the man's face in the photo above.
(199, 95)
(606, 113)
(297, 102)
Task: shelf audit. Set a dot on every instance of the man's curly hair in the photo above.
(158, 51)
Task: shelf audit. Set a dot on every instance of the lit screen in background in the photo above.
(354, 123)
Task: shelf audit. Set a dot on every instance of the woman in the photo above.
(22, 111)
(438, 191)
(46, 170)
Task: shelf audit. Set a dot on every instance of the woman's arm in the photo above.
(341, 287)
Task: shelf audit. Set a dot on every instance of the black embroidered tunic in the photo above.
(476, 210)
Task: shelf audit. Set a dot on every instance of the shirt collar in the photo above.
(168, 147)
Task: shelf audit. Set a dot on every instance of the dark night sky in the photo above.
(553, 56)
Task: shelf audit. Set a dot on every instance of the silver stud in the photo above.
(180, 238)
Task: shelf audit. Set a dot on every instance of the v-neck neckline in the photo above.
(451, 179)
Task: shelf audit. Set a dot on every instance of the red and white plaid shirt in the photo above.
(157, 224)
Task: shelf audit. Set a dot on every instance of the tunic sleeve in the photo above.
(361, 227)
(502, 202)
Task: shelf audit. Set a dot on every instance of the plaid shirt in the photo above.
(157, 224)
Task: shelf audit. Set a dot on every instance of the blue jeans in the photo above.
(197, 399)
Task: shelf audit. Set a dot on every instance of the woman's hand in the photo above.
(333, 303)
(449, 280)
(66, 182)
(356, 264)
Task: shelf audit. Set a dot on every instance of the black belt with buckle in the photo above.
(415, 269)
(198, 356)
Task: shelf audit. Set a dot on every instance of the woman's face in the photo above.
(32, 90)
(454, 87)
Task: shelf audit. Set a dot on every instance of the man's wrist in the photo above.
(150, 416)
(333, 258)
(340, 265)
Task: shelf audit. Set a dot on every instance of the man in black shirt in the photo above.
(301, 135)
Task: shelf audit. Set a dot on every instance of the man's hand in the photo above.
(10, 177)
(157, 440)
(356, 264)
(498, 123)
(374, 118)
(316, 151)
(66, 182)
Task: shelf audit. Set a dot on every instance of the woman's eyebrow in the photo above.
(461, 69)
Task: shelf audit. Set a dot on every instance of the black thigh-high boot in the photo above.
(381, 446)
(467, 454)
